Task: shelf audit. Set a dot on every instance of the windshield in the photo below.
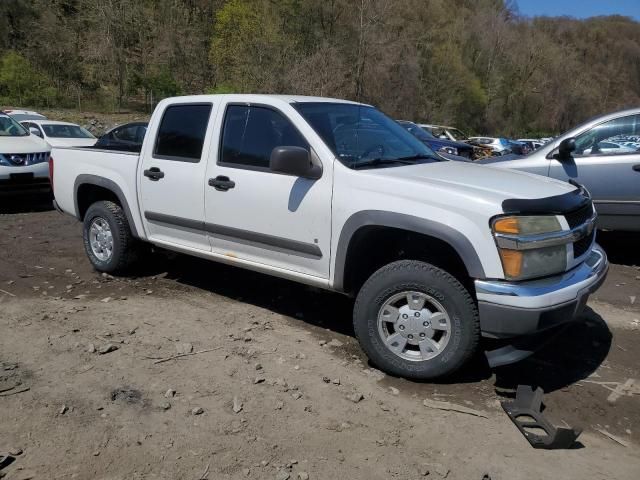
(359, 134)
(65, 131)
(457, 134)
(418, 132)
(10, 128)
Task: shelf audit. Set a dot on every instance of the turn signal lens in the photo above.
(512, 262)
(527, 225)
(507, 225)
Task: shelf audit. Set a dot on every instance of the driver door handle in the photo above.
(154, 173)
(221, 183)
(636, 167)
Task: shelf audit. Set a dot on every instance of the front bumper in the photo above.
(510, 309)
(28, 179)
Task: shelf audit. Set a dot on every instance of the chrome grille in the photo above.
(581, 246)
(25, 159)
(577, 218)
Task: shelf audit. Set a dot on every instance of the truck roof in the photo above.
(258, 97)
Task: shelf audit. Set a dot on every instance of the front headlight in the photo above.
(449, 150)
(526, 246)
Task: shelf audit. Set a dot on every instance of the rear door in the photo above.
(609, 170)
(266, 217)
(171, 176)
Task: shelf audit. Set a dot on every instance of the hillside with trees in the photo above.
(476, 64)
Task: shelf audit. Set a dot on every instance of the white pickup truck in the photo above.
(337, 195)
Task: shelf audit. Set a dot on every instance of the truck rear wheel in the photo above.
(107, 237)
(415, 320)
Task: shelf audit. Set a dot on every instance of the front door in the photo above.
(171, 180)
(607, 162)
(256, 215)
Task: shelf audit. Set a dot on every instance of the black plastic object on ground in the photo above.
(525, 412)
(5, 461)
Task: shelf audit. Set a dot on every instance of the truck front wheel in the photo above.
(415, 320)
(107, 237)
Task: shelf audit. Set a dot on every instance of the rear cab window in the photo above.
(182, 131)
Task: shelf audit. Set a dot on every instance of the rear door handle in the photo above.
(154, 173)
(636, 167)
(221, 183)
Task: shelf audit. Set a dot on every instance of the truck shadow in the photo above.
(314, 306)
(570, 356)
(621, 247)
(12, 204)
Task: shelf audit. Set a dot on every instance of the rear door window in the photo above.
(181, 133)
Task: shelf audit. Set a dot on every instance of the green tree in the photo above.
(19, 82)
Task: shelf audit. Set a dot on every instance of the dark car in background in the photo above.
(126, 138)
(439, 145)
(518, 147)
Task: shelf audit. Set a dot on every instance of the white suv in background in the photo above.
(61, 134)
(23, 159)
(21, 115)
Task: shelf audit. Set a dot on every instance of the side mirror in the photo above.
(566, 147)
(294, 161)
(35, 131)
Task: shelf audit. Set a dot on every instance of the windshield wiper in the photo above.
(374, 162)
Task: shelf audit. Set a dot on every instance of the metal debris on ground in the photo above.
(613, 437)
(526, 413)
(452, 407)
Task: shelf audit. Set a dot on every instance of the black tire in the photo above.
(125, 247)
(410, 275)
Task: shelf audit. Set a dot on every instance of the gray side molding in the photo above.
(86, 179)
(455, 239)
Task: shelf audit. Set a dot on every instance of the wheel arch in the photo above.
(371, 222)
(89, 189)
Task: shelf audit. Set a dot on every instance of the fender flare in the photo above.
(86, 179)
(454, 238)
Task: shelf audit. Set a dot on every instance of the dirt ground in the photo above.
(277, 387)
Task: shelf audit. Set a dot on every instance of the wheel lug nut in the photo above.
(426, 324)
(401, 327)
(417, 314)
(410, 336)
(404, 315)
(422, 335)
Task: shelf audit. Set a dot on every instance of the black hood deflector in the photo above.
(556, 205)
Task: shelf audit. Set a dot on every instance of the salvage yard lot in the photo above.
(280, 388)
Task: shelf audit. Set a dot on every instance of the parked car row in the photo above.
(26, 140)
(481, 147)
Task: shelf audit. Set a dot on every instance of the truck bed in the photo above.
(73, 165)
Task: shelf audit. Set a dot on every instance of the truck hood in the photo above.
(28, 144)
(472, 185)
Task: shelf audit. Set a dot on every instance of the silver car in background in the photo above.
(599, 154)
